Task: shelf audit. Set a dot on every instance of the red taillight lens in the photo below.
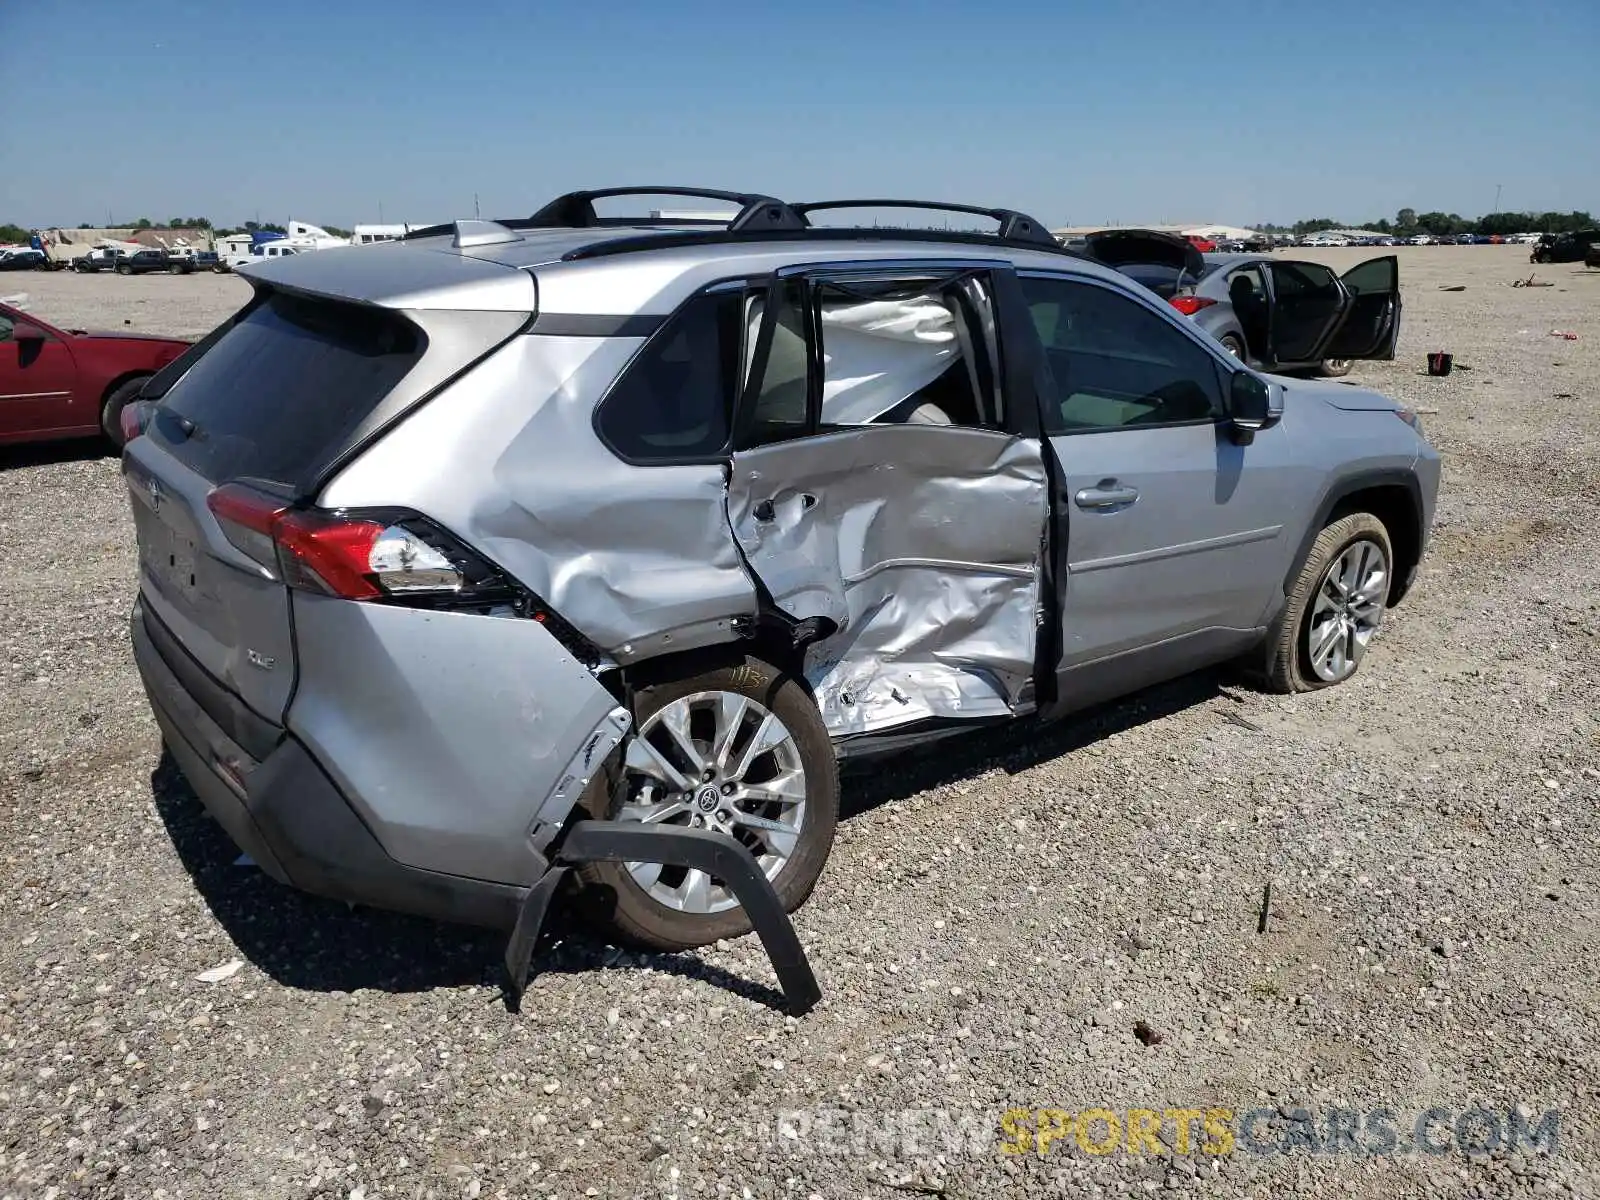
(131, 421)
(312, 551)
(328, 554)
(1189, 305)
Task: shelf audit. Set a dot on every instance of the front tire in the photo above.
(1333, 368)
(124, 269)
(741, 749)
(1335, 607)
(1233, 346)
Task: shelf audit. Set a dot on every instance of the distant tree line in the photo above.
(1409, 222)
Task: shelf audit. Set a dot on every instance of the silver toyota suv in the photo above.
(450, 542)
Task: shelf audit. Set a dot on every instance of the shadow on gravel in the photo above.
(1017, 746)
(304, 941)
(44, 454)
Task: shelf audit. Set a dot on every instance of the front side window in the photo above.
(675, 400)
(1117, 364)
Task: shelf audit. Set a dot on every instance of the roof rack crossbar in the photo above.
(1014, 226)
(575, 210)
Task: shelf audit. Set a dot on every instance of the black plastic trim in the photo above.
(1342, 489)
(707, 850)
(640, 325)
(669, 240)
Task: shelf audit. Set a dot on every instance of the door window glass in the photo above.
(1117, 364)
(675, 400)
(778, 409)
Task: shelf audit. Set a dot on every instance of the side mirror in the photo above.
(27, 331)
(1250, 407)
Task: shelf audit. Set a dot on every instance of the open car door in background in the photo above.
(1307, 305)
(1371, 323)
(877, 491)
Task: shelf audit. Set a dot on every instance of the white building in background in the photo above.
(366, 235)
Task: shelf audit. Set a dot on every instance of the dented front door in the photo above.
(920, 545)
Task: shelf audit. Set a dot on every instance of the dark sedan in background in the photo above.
(1277, 314)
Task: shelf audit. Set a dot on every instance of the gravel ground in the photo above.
(996, 919)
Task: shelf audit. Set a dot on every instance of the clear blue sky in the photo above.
(1120, 111)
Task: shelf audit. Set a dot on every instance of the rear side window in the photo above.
(675, 400)
(284, 389)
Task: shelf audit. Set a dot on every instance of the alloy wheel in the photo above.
(1347, 611)
(715, 760)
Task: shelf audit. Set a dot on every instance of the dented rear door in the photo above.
(919, 546)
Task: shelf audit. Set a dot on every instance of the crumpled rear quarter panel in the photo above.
(639, 559)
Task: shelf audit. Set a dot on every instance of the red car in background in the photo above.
(1202, 244)
(59, 383)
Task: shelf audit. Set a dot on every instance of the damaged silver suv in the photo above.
(449, 542)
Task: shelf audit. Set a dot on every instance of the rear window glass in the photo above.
(284, 389)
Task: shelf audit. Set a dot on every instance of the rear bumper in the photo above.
(287, 814)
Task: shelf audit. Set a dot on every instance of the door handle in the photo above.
(1108, 493)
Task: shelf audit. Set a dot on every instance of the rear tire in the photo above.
(111, 410)
(1333, 368)
(1233, 346)
(1347, 575)
(671, 909)
(176, 269)
(124, 269)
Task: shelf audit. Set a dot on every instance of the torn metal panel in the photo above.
(922, 544)
(639, 560)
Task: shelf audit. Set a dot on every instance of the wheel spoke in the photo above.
(1328, 598)
(696, 891)
(731, 708)
(769, 735)
(1355, 646)
(674, 718)
(647, 760)
(781, 839)
(1324, 640)
(652, 814)
(787, 788)
(645, 874)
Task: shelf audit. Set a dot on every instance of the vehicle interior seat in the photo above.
(1251, 310)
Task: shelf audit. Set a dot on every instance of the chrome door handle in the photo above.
(1103, 496)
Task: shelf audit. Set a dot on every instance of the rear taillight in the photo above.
(1189, 305)
(355, 556)
(133, 418)
(391, 556)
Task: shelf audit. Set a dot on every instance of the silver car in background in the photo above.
(1278, 314)
(447, 542)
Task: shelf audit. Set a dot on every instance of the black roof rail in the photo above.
(575, 210)
(668, 241)
(1014, 226)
